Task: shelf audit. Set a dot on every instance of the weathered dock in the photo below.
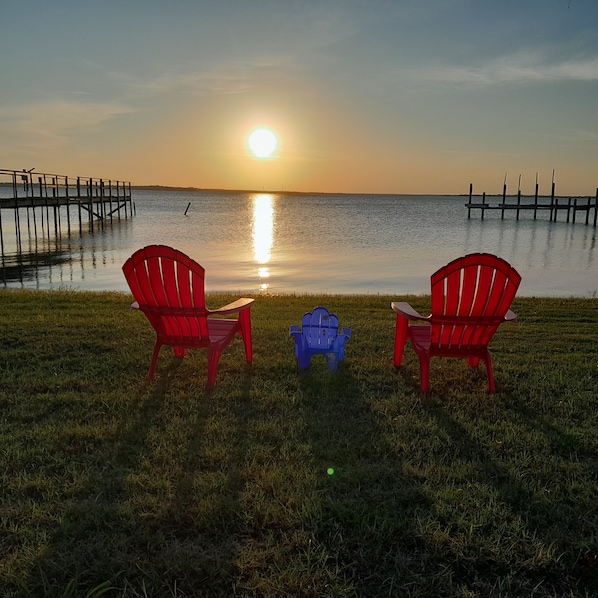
(570, 206)
(44, 201)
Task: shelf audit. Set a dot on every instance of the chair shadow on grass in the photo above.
(577, 450)
(542, 516)
(369, 505)
(143, 522)
(380, 525)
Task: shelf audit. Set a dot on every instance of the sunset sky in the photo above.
(370, 96)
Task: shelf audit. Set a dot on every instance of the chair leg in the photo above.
(245, 325)
(152, 368)
(303, 360)
(332, 361)
(213, 359)
(400, 339)
(490, 373)
(473, 361)
(424, 372)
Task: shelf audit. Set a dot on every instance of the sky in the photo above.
(364, 96)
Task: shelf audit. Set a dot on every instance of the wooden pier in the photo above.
(43, 201)
(570, 206)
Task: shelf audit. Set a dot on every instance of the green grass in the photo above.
(116, 486)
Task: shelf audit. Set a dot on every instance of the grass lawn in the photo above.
(285, 483)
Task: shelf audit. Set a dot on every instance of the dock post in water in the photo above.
(469, 202)
(518, 196)
(504, 197)
(569, 209)
(536, 197)
(552, 211)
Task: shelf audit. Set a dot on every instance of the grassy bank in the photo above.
(169, 489)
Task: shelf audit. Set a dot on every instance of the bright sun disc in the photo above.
(262, 142)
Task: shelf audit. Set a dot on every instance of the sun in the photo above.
(262, 142)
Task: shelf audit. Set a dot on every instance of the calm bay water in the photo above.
(287, 243)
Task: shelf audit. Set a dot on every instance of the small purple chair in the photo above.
(319, 333)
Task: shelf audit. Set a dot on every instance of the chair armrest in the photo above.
(510, 316)
(301, 343)
(346, 332)
(405, 310)
(231, 308)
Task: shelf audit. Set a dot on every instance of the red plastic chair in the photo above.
(471, 297)
(168, 287)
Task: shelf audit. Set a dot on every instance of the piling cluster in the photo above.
(555, 205)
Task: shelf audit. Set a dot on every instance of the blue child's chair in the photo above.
(319, 333)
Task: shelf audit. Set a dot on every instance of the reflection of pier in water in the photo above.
(43, 218)
(66, 258)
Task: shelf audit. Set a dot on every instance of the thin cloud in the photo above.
(235, 77)
(49, 124)
(514, 69)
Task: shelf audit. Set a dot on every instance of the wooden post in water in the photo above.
(536, 197)
(79, 204)
(44, 192)
(118, 198)
(518, 196)
(110, 191)
(68, 204)
(124, 190)
(90, 203)
(14, 191)
(596, 207)
(468, 203)
(483, 203)
(44, 212)
(56, 209)
(32, 203)
(105, 205)
(101, 206)
(552, 210)
(504, 197)
(17, 227)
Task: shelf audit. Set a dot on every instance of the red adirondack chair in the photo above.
(471, 297)
(168, 287)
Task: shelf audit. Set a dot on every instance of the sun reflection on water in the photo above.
(263, 235)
